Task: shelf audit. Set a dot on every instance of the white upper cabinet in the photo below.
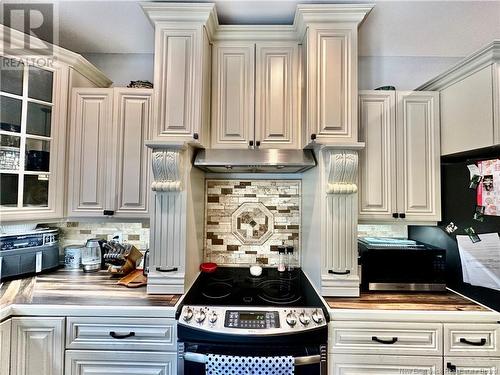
(399, 168)
(109, 164)
(377, 177)
(470, 101)
(331, 84)
(233, 94)
(276, 96)
(254, 96)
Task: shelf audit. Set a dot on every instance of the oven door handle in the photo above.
(299, 361)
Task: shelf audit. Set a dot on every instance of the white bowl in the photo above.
(256, 271)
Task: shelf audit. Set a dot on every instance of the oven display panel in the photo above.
(252, 319)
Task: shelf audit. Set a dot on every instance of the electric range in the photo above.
(230, 312)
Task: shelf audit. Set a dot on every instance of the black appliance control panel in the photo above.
(252, 319)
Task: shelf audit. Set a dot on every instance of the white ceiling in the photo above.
(394, 28)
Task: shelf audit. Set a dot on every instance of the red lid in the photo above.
(208, 267)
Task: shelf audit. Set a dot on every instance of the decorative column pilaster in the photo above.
(168, 219)
(340, 273)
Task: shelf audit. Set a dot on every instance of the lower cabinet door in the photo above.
(88, 362)
(384, 365)
(37, 346)
(471, 365)
(5, 347)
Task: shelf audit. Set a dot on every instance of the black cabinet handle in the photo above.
(395, 215)
(387, 342)
(117, 336)
(257, 143)
(108, 212)
(313, 137)
(451, 367)
(196, 136)
(346, 272)
(402, 216)
(250, 143)
(161, 269)
(482, 342)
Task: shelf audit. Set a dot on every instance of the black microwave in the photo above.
(401, 265)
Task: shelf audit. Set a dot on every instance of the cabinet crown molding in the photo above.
(490, 54)
(16, 40)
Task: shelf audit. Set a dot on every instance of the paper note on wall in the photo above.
(481, 260)
(488, 192)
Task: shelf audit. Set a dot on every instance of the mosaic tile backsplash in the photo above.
(245, 221)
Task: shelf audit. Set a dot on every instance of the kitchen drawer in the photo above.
(386, 338)
(478, 340)
(121, 334)
(471, 365)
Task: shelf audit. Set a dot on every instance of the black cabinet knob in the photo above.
(395, 215)
(451, 367)
(108, 212)
(257, 143)
(402, 216)
(250, 143)
(196, 136)
(313, 137)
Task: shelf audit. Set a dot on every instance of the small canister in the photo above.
(72, 256)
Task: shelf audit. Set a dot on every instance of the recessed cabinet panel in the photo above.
(418, 158)
(90, 134)
(377, 180)
(37, 346)
(132, 116)
(175, 86)
(233, 95)
(84, 362)
(276, 95)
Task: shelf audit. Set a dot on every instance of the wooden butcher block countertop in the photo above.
(444, 301)
(74, 287)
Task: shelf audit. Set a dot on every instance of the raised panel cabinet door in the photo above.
(233, 94)
(418, 155)
(472, 365)
(178, 81)
(90, 152)
(276, 95)
(332, 84)
(86, 362)
(340, 364)
(377, 161)
(37, 346)
(5, 347)
(132, 119)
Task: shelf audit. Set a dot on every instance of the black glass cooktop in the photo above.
(235, 286)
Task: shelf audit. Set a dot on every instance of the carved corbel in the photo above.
(167, 167)
(343, 171)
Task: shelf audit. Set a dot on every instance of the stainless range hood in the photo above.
(254, 161)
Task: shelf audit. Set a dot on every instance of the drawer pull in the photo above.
(482, 342)
(450, 366)
(115, 335)
(346, 272)
(387, 342)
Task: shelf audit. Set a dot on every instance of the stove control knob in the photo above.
(291, 319)
(188, 315)
(317, 317)
(304, 318)
(213, 317)
(199, 316)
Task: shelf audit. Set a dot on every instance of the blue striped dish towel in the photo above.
(236, 365)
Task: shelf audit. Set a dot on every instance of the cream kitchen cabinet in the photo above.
(5, 329)
(255, 94)
(37, 346)
(471, 365)
(85, 362)
(470, 101)
(399, 168)
(109, 170)
(340, 364)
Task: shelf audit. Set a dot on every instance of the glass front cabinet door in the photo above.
(28, 151)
